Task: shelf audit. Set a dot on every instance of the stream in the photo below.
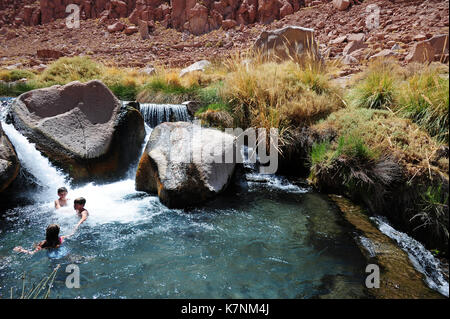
(265, 237)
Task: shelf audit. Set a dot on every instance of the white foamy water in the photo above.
(273, 182)
(46, 175)
(155, 114)
(270, 181)
(420, 257)
(114, 202)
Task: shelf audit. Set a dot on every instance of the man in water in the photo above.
(78, 205)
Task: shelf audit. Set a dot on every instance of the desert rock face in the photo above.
(170, 24)
(82, 128)
(195, 16)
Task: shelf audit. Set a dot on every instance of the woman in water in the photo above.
(52, 240)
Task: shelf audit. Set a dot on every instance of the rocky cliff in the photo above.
(194, 16)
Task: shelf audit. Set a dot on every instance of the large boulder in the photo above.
(290, 42)
(9, 164)
(421, 52)
(82, 128)
(180, 164)
(434, 49)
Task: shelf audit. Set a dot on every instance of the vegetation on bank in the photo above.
(418, 92)
(381, 140)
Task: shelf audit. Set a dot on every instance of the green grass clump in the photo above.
(15, 75)
(354, 147)
(377, 88)
(369, 133)
(17, 89)
(159, 85)
(213, 107)
(424, 98)
(282, 95)
(319, 152)
(434, 211)
(417, 92)
(66, 70)
(351, 147)
(124, 92)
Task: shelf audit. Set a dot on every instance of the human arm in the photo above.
(57, 206)
(84, 216)
(20, 249)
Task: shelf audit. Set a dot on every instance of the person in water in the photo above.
(78, 205)
(52, 240)
(62, 200)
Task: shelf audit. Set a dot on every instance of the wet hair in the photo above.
(80, 200)
(62, 190)
(51, 237)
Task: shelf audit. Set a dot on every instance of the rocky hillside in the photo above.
(194, 16)
(174, 26)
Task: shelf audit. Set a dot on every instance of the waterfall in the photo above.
(44, 173)
(256, 180)
(420, 257)
(155, 114)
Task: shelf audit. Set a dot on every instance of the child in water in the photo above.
(78, 205)
(52, 240)
(62, 200)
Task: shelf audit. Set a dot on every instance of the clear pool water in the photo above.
(261, 243)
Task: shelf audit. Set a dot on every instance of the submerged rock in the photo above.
(82, 128)
(180, 163)
(9, 163)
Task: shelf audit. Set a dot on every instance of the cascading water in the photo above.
(420, 257)
(155, 114)
(270, 181)
(45, 175)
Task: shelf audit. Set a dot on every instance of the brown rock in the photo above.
(198, 19)
(440, 45)
(9, 163)
(420, 37)
(356, 37)
(143, 30)
(116, 27)
(384, 54)
(49, 54)
(353, 46)
(118, 9)
(83, 128)
(341, 5)
(348, 59)
(338, 40)
(131, 30)
(285, 43)
(421, 52)
(286, 9)
(228, 24)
